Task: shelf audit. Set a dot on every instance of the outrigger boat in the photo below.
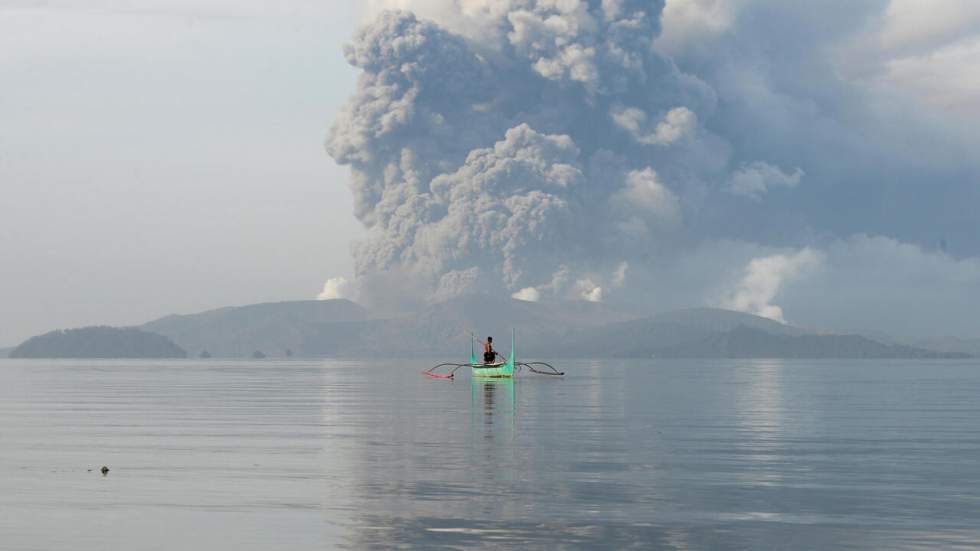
(497, 370)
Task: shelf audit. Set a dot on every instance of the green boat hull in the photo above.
(503, 370)
(494, 371)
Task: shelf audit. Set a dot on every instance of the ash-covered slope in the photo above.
(445, 328)
(719, 320)
(716, 333)
(275, 329)
(951, 345)
(747, 342)
(564, 329)
(340, 328)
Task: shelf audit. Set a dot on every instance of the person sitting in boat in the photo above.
(489, 354)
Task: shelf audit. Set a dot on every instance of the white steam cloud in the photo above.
(588, 290)
(528, 294)
(619, 276)
(754, 180)
(763, 279)
(679, 123)
(339, 287)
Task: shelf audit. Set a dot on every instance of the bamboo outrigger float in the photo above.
(498, 370)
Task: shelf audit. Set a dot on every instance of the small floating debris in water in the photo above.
(105, 470)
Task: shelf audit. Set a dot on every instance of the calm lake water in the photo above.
(219, 455)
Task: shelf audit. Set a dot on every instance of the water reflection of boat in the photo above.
(494, 407)
(495, 395)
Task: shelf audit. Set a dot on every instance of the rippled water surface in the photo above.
(654, 454)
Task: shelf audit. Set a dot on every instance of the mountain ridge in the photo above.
(559, 329)
(240, 331)
(544, 329)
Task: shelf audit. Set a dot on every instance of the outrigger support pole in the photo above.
(472, 349)
(513, 346)
(431, 372)
(543, 365)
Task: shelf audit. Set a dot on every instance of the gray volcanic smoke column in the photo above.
(546, 159)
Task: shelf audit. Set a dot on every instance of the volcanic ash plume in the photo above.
(534, 161)
(544, 149)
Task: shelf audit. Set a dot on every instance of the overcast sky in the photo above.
(814, 161)
(167, 156)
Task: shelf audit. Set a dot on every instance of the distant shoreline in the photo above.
(341, 329)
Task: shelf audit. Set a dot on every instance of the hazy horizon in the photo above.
(812, 164)
(167, 157)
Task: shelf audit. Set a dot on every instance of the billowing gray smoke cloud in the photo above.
(573, 148)
(496, 166)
